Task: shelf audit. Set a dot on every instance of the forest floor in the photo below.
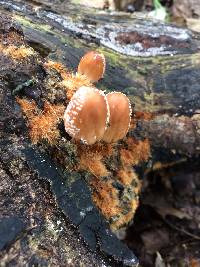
(180, 12)
(166, 228)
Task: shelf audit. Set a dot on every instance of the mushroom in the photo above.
(87, 115)
(92, 65)
(120, 117)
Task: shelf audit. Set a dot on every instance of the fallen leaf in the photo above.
(193, 24)
(159, 262)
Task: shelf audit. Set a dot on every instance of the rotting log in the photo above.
(164, 83)
(38, 226)
(160, 85)
(157, 65)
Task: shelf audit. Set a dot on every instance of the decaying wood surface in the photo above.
(164, 86)
(156, 65)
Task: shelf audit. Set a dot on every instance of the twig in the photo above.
(181, 230)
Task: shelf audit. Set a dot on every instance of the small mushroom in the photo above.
(120, 117)
(92, 65)
(87, 115)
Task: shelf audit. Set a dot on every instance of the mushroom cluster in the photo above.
(92, 115)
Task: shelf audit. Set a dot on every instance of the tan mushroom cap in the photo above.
(120, 117)
(87, 115)
(92, 65)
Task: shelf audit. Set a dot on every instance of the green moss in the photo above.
(27, 23)
(153, 102)
(115, 59)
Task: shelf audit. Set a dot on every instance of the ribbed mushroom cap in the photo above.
(120, 116)
(87, 115)
(92, 65)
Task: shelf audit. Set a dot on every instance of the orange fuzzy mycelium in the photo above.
(92, 65)
(105, 197)
(42, 125)
(117, 206)
(137, 152)
(93, 164)
(87, 115)
(120, 117)
(28, 107)
(91, 158)
(124, 175)
(17, 53)
(105, 150)
(60, 68)
(73, 82)
(127, 177)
